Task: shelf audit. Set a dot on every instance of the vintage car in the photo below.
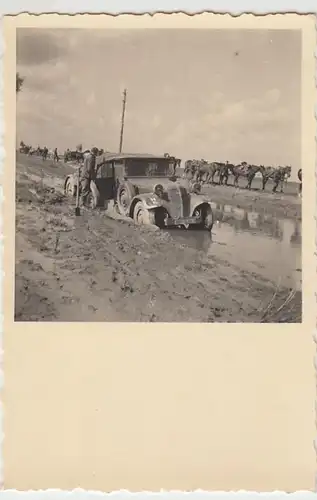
(145, 188)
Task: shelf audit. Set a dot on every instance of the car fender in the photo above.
(196, 201)
(149, 200)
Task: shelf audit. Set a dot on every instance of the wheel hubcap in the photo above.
(124, 200)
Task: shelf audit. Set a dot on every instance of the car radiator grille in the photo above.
(179, 202)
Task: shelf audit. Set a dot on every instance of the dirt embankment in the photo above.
(97, 268)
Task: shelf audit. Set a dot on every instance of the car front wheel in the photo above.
(207, 216)
(142, 215)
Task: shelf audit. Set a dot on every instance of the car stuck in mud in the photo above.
(145, 188)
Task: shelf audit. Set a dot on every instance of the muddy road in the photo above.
(100, 267)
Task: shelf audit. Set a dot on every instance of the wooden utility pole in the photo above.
(122, 119)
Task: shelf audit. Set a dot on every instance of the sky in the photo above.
(222, 95)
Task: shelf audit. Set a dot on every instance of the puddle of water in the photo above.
(286, 230)
(253, 241)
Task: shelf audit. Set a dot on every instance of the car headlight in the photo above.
(158, 190)
(151, 200)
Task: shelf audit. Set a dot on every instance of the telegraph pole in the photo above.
(122, 119)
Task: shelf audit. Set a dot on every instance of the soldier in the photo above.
(88, 173)
(299, 175)
(45, 152)
(56, 157)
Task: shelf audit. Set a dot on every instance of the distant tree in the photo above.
(19, 83)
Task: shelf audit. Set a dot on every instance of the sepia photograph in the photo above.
(159, 267)
(158, 175)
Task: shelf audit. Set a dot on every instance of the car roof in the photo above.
(129, 156)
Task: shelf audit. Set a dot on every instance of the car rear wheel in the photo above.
(126, 193)
(70, 188)
(93, 199)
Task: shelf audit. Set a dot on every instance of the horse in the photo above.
(299, 175)
(32, 151)
(278, 175)
(253, 170)
(76, 156)
(225, 169)
(39, 151)
(25, 149)
(224, 172)
(206, 171)
(45, 153)
(190, 170)
(244, 170)
(176, 162)
(50, 154)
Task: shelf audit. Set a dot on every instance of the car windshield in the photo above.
(149, 168)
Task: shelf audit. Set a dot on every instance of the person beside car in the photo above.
(88, 173)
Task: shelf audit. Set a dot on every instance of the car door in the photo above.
(105, 180)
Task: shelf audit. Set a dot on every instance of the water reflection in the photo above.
(297, 233)
(243, 220)
(254, 241)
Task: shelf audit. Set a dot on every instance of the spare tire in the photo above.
(125, 193)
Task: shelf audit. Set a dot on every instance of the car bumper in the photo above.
(183, 221)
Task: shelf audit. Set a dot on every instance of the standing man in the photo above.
(56, 157)
(88, 173)
(299, 175)
(45, 152)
